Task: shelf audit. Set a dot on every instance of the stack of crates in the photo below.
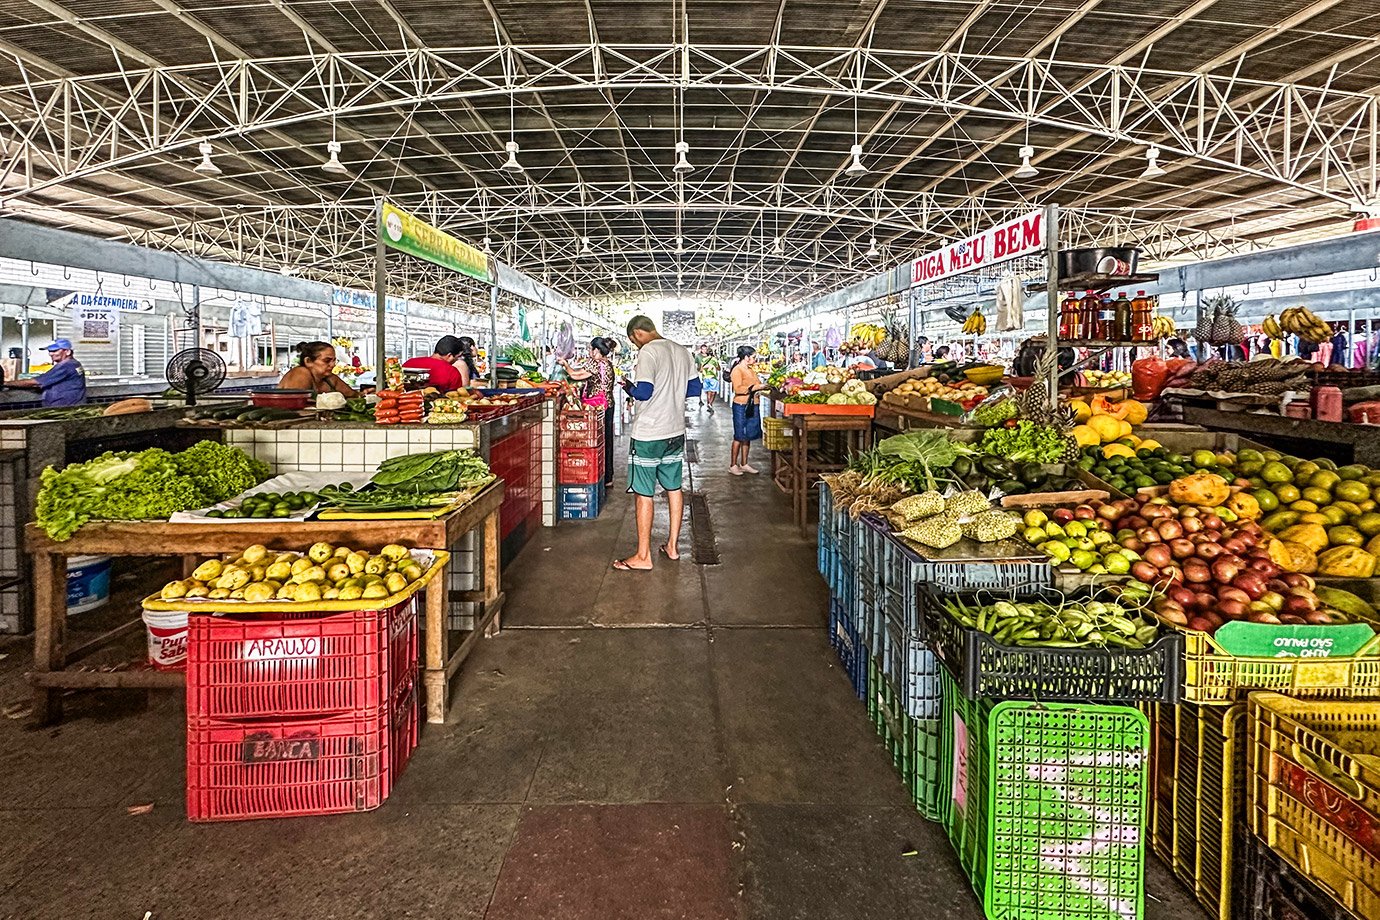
(580, 464)
(294, 714)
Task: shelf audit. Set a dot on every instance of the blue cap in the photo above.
(60, 343)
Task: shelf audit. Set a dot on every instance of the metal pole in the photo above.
(493, 336)
(1052, 300)
(196, 316)
(380, 306)
(24, 341)
(914, 321)
(1350, 334)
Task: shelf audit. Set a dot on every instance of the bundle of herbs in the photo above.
(916, 461)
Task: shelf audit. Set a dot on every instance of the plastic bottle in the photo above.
(1142, 318)
(1069, 326)
(1106, 319)
(1121, 322)
(1088, 309)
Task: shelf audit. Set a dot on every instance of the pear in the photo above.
(320, 552)
(378, 565)
(313, 574)
(342, 551)
(357, 562)
(288, 592)
(197, 591)
(337, 572)
(351, 593)
(395, 582)
(237, 594)
(307, 592)
(278, 571)
(173, 590)
(375, 591)
(259, 592)
(330, 594)
(394, 551)
(412, 572)
(301, 565)
(289, 558)
(255, 554)
(217, 594)
(208, 571)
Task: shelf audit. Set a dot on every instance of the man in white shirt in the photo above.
(664, 378)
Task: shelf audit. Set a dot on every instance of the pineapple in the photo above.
(1072, 452)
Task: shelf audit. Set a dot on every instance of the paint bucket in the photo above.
(167, 632)
(88, 583)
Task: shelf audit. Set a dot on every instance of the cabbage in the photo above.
(330, 401)
(854, 386)
(865, 399)
(838, 399)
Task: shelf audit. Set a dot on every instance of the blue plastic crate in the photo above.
(580, 503)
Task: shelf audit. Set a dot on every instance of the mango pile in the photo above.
(323, 573)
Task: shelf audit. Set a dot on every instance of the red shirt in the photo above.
(442, 374)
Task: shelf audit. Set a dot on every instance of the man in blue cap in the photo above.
(65, 383)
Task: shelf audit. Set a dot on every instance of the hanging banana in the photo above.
(1162, 327)
(1305, 324)
(1271, 327)
(975, 324)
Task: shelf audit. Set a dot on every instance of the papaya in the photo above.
(1346, 562)
(1202, 488)
(1312, 536)
(1296, 558)
(1244, 504)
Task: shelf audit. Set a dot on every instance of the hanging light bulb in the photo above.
(512, 165)
(872, 250)
(1152, 164)
(206, 167)
(1027, 170)
(856, 167)
(333, 165)
(682, 162)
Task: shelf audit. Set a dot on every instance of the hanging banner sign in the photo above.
(95, 325)
(402, 231)
(78, 299)
(364, 300)
(1022, 236)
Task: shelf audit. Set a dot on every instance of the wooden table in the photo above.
(194, 541)
(803, 470)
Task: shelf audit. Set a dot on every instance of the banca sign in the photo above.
(1022, 236)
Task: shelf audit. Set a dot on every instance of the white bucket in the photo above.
(167, 632)
(88, 583)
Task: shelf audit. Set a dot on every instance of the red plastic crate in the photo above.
(285, 768)
(580, 466)
(275, 666)
(403, 732)
(582, 428)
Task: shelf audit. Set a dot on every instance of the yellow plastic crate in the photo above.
(776, 435)
(1197, 774)
(1215, 676)
(1314, 792)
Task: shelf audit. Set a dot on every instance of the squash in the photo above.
(1202, 488)
(1346, 562)
(1312, 536)
(128, 407)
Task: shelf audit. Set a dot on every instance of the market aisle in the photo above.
(680, 744)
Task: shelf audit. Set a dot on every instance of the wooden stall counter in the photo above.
(192, 541)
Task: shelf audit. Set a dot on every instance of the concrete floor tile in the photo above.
(824, 862)
(793, 729)
(356, 866)
(618, 862)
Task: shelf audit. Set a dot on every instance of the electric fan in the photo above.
(194, 371)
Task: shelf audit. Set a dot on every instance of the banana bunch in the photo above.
(1305, 324)
(1272, 328)
(869, 334)
(1162, 327)
(975, 324)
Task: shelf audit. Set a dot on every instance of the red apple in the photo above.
(1109, 512)
(1192, 524)
(1062, 515)
(1263, 566)
(1173, 613)
(1212, 522)
(1134, 522)
(1172, 574)
(1169, 529)
(1251, 583)
(1144, 571)
(1148, 535)
(1134, 544)
(1156, 512)
(1197, 571)
(1291, 619)
(1233, 609)
(1202, 624)
(1209, 551)
(1205, 601)
(1298, 579)
(1319, 617)
(1234, 545)
(1225, 568)
(1187, 512)
(1230, 593)
(1158, 555)
(1084, 513)
(1180, 595)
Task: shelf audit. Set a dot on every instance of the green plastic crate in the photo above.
(928, 780)
(1048, 806)
(891, 722)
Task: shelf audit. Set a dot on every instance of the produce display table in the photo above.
(1363, 440)
(193, 541)
(798, 474)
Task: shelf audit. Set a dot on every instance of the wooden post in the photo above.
(50, 631)
(493, 575)
(434, 671)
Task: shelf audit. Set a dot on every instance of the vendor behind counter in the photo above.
(64, 384)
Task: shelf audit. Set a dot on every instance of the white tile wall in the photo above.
(348, 449)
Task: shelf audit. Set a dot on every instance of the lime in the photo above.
(309, 498)
(1249, 467)
(1203, 459)
(1323, 479)
(1304, 470)
(1352, 471)
(213, 513)
(1368, 523)
(1249, 455)
(230, 513)
(281, 512)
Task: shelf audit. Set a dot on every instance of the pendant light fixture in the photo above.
(585, 247)
(855, 167)
(512, 164)
(1027, 169)
(206, 167)
(682, 162)
(872, 250)
(333, 165)
(488, 246)
(1152, 164)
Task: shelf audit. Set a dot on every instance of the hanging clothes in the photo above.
(1010, 303)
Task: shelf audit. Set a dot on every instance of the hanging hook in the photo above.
(1303, 284)
(1247, 291)
(67, 273)
(1273, 285)
(33, 269)
(152, 285)
(125, 278)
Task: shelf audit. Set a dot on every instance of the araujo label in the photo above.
(406, 233)
(1022, 236)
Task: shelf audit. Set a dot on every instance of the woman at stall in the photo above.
(747, 424)
(466, 364)
(596, 379)
(315, 371)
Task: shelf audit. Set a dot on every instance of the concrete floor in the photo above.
(678, 744)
